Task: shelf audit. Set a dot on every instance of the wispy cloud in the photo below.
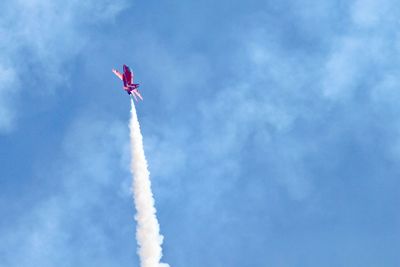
(8, 85)
(46, 35)
(87, 177)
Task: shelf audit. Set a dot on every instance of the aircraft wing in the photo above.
(119, 75)
(132, 76)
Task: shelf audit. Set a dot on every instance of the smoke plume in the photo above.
(148, 230)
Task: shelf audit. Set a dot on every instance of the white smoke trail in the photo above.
(148, 230)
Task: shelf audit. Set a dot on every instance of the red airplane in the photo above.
(127, 77)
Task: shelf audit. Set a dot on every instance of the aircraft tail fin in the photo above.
(136, 93)
(134, 97)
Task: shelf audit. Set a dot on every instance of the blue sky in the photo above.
(271, 129)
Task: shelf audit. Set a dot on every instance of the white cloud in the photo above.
(365, 49)
(258, 105)
(368, 13)
(343, 69)
(386, 93)
(8, 84)
(45, 35)
(165, 152)
(88, 179)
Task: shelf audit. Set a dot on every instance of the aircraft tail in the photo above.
(137, 94)
(133, 97)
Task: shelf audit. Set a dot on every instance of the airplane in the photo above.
(130, 87)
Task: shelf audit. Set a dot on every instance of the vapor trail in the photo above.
(148, 230)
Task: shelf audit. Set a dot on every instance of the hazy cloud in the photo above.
(88, 183)
(8, 84)
(44, 34)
